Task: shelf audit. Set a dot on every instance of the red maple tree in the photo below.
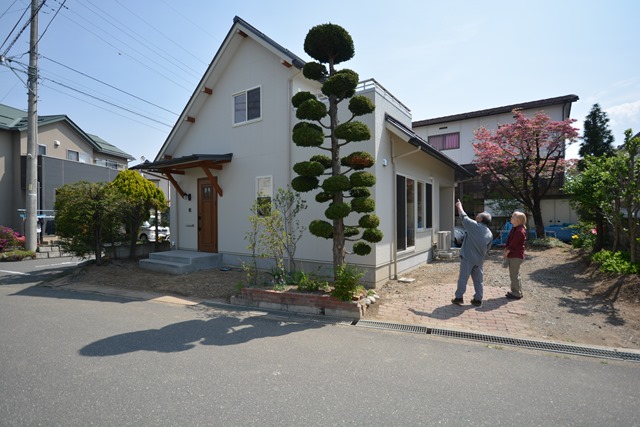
(525, 158)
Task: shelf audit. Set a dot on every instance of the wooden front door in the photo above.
(207, 216)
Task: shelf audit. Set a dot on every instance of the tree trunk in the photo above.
(601, 230)
(632, 215)
(537, 220)
(338, 224)
(98, 242)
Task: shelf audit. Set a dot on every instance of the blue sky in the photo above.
(145, 57)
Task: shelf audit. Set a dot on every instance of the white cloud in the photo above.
(628, 112)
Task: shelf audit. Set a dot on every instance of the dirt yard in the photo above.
(568, 300)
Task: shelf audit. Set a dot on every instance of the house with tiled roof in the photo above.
(453, 135)
(66, 154)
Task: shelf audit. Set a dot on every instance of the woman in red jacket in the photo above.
(514, 253)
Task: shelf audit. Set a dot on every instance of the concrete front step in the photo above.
(181, 261)
(50, 252)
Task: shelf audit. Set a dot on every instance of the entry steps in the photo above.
(181, 261)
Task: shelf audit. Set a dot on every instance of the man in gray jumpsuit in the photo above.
(475, 246)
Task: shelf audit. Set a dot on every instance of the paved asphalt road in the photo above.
(74, 359)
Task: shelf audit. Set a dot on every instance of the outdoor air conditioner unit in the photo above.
(444, 240)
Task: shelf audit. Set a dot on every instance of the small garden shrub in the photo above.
(10, 239)
(615, 262)
(347, 282)
(585, 238)
(546, 243)
(17, 255)
(309, 282)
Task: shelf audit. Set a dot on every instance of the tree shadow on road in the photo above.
(222, 330)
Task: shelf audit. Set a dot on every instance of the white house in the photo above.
(233, 141)
(453, 135)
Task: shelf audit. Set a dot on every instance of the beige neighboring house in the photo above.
(66, 154)
(453, 136)
(232, 143)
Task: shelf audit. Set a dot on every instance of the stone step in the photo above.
(181, 262)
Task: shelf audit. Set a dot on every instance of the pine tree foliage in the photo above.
(341, 181)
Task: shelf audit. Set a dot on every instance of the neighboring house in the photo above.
(453, 136)
(233, 143)
(66, 154)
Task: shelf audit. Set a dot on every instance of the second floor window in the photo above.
(247, 106)
(42, 150)
(73, 155)
(447, 141)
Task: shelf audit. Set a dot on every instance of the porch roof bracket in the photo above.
(174, 183)
(212, 180)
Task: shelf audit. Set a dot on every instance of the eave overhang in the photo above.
(177, 166)
(407, 135)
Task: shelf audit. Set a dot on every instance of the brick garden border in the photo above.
(300, 302)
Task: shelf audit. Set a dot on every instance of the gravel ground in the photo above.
(567, 299)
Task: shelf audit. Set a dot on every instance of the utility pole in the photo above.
(31, 197)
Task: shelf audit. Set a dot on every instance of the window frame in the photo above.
(264, 194)
(77, 153)
(247, 106)
(42, 146)
(442, 146)
(405, 213)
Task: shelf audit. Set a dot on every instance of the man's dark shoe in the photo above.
(476, 302)
(509, 295)
(457, 301)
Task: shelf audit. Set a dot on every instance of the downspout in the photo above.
(394, 252)
(288, 108)
(433, 203)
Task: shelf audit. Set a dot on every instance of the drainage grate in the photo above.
(393, 326)
(517, 342)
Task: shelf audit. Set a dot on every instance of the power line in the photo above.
(162, 33)
(10, 6)
(123, 51)
(69, 87)
(109, 85)
(107, 102)
(139, 38)
(103, 108)
(13, 29)
(50, 21)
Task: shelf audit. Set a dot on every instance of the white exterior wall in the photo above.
(265, 148)
(259, 148)
(465, 155)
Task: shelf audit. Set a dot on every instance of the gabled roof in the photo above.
(567, 99)
(108, 148)
(238, 32)
(16, 120)
(414, 139)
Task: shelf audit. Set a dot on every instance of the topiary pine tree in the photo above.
(346, 178)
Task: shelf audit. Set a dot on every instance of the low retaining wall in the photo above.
(299, 302)
(142, 250)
